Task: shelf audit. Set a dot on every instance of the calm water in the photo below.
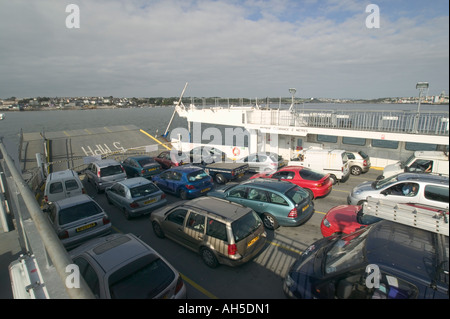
(152, 120)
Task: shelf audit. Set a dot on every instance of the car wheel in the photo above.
(355, 170)
(361, 202)
(183, 195)
(220, 179)
(209, 258)
(126, 214)
(158, 230)
(269, 221)
(333, 179)
(310, 192)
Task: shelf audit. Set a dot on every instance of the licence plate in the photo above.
(240, 175)
(152, 169)
(86, 227)
(205, 190)
(305, 208)
(150, 201)
(251, 242)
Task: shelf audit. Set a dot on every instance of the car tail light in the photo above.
(179, 285)
(99, 174)
(293, 213)
(364, 163)
(123, 169)
(190, 186)
(63, 234)
(232, 249)
(143, 171)
(46, 198)
(134, 205)
(106, 220)
(319, 184)
(163, 196)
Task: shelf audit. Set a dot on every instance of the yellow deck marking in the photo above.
(159, 142)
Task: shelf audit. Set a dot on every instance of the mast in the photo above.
(175, 110)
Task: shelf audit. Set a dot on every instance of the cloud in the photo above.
(250, 48)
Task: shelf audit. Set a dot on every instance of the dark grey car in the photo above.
(104, 173)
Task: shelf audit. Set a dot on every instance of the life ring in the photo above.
(236, 151)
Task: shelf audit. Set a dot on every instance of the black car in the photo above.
(385, 260)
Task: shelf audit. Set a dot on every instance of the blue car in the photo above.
(141, 166)
(184, 181)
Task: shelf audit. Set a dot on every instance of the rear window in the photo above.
(111, 170)
(363, 155)
(437, 193)
(297, 194)
(310, 175)
(196, 176)
(245, 225)
(146, 161)
(141, 280)
(71, 185)
(78, 212)
(143, 190)
(55, 188)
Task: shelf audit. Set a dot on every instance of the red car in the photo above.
(167, 159)
(317, 184)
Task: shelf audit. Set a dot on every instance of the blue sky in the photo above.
(252, 48)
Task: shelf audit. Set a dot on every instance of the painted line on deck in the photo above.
(156, 140)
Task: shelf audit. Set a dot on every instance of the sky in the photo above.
(248, 49)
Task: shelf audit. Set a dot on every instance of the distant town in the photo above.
(52, 103)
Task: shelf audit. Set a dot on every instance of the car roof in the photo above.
(134, 181)
(410, 250)
(271, 184)
(74, 200)
(424, 177)
(138, 157)
(219, 207)
(61, 174)
(186, 168)
(114, 250)
(106, 162)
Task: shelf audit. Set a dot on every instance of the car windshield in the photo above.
(297, 194)
(74, 213)
(145, 282)
(365, 219)
(110, 170)
(146, 161)
(197, 175)
(143, 190)
(245, 225)
(346, 252)
(384, 182)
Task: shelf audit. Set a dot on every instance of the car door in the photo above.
(173, 225)
(91, 172)
(237, 194)
(194, 230)
(117, 194)
(257, 200)
(402, 193)
(163, 180)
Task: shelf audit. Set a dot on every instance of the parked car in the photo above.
(263, 162)
(185, 181)
(144, 166)
(121, 266)
(168, 159)
(62, 184)
(345, 219)
(279, 203)
(78, 219)
(315, 183)
(418, 188)
(136, 196)
(221, 231)
(359, 162)
(206, 155)
(412, 263)
(104, 173)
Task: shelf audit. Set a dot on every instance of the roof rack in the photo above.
(433, 219)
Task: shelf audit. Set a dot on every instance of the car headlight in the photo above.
(289, 282)
(326, 223)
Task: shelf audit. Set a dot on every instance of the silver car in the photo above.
(121, 266)
(78, 219)
(359, 162)
(104, 173)
(263, 162)
(414, 188)
(136, 196)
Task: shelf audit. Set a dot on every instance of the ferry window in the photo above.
(327, 138)
(354, 140)
(412, 146)
(385, 144)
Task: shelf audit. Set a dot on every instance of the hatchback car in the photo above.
(136, 196)
(62, 184)
(144, 166)
(121, 266)
(418, 188)
(168, 159)
(279, 203)
(263, 162)
(104, 173)
(359, 162)
(315, 183)
(77, 219)
(221, 231)
(206, 155)
(184, 181)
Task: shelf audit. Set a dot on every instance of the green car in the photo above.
(279, 203)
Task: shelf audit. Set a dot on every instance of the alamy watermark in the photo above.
(373, 19)
(73, 19)
(373, 276)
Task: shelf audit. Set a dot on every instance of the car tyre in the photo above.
(361, 202)
(355, 170)
(220, 179)
(126, 214)
(333, 179)
(158, 230)
(310, 192)
(183, 195)
(269, 221)
(209, 258)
